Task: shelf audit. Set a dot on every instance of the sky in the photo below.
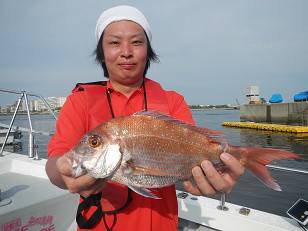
(210, 51)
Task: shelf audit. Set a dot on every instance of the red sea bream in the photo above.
(149, 150)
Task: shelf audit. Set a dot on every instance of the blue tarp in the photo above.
(301, 96)
(276, 98)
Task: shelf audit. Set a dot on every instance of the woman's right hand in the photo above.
(59, 171)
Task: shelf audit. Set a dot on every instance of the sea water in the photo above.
(249, 191)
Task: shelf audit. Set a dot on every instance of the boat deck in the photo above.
(31, 202)
(203, 214)
(29, 199)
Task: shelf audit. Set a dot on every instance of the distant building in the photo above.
(54, 102)
(61, 101)
(253, 95)
(12, 107)
(3, 110)
(6, 109)
(22, 106)
(34, 105)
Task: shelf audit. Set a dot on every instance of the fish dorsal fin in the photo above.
(161, 116)
(153, 113)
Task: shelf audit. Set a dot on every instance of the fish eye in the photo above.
(94, 141)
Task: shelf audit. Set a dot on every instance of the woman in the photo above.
(124, 52)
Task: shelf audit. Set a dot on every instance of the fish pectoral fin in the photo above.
(134, 169)
(144, 192)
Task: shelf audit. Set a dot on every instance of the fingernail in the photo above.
(196, 171)
(205, 164)
(225, 156)
(186, 184)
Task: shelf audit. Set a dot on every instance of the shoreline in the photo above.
(210, 108)
(48, 113)
(25, 113)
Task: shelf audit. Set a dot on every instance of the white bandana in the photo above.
(119, 13)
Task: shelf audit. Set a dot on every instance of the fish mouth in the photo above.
(76, 164)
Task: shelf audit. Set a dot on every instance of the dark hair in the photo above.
(99, 56)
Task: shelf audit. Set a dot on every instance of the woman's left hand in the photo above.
(209, 181)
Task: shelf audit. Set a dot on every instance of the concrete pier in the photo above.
(282, 113)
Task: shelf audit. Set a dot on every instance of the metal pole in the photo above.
(11, 124)
(32, 94)
(31, 136)
(221, 205)
(31, 143)
(287, 169)
(36, 155)
(49, 108)
(10, 91)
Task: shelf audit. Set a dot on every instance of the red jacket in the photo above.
(87, 107)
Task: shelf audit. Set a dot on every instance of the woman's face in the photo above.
(125, 52)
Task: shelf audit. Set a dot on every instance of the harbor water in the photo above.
(249, 192)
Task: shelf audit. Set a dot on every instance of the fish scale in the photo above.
(157, 157)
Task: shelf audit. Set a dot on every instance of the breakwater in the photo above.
(282, 113)
(268, 127)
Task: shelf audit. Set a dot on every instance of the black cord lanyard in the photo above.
(95, 199)
(109, 228)
(110, 104)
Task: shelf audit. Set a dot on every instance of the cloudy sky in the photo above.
(210, 51)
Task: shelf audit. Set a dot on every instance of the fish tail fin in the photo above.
(255, 160)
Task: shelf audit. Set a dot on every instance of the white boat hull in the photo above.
(202, 214)
(36, 204)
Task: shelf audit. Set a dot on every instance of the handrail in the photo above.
(24, 96)
(10, 91)
(287, 169)
(31, 131)
(31, 94)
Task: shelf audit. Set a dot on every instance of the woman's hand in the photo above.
(209, 181)
(59, 171)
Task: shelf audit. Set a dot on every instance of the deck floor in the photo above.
(24, 191)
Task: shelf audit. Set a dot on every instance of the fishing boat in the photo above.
(28, 201)
(13, 137)
(14, 134)
(10, 139)
(13, 142)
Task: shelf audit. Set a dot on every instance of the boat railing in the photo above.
(23, 96)
(222, 203)
(287, 169)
